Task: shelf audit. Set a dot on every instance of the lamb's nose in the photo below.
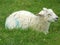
(57, 18)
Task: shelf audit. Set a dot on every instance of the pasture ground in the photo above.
(28, 37)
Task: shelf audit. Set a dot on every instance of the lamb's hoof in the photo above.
(46, 33)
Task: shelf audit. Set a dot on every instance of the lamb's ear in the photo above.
(39, 14)
(44, 8)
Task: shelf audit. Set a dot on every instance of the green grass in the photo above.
(28, 37)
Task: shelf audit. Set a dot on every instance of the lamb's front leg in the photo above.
(46, 32)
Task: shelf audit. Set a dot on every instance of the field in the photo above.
(28, 37)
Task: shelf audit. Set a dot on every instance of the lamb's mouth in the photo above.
(56, 20)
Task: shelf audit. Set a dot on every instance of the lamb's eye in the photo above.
(48, 14)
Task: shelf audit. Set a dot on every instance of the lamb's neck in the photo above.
(42, 24)
(41, 20)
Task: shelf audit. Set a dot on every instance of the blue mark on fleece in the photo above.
(17, 23)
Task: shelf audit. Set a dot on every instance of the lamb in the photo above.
(24, 19)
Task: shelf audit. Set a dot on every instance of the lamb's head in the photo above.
(48, 14)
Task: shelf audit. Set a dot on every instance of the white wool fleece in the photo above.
(24, 19)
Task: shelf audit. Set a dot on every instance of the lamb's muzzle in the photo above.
(56, 19)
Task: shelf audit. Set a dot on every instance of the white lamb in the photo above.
(24, 19)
